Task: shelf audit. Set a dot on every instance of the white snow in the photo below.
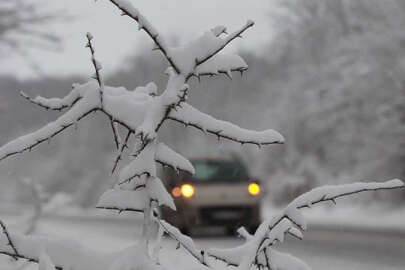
(169, 157)
(158, 192)
(284, 261)
(332, 192)
(183, 240)
(143, 164)
(89, 102)
(123, 200)
(189, 115)
(64, 253)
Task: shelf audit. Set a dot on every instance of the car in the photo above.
(220, 193)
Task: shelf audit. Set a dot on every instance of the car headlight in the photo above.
(254, 189)
(187, 190)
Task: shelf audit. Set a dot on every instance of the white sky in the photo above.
(117, 37)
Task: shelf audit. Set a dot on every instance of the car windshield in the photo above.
(219, 171)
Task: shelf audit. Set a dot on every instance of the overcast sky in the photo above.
(117, 37)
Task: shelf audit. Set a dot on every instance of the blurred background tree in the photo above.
(21, 27)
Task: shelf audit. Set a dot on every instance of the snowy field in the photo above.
(326, 246)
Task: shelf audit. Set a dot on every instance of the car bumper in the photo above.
(227, 216)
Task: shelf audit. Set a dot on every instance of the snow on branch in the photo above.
(143, 24)
(276, 260)
(168, 157)
(143, 164)
(331, 193)
(57, 104)
(201, 56)
(221, 63)
(222, 43)
(123, 200)
(186, 242)
(82, 108)
(137, 199)
(63, 253)
(190, 116)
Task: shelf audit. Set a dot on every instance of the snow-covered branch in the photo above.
(222, 43)
(54, 103)
(168, 157)
(186, 242)
(136, 199)
(331, 193)
(190, 116)
(82, 108)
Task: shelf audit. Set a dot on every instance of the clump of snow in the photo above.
(123, 200)
(170, 158)
(158, 192)
(183, 240)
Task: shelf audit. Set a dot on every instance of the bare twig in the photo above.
(121, 209)
(123, 146)
(96, 65)
(115, 134)
(10, 242)
(145, 25)
(46, 106)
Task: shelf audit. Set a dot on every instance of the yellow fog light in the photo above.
(254, 189)
(187, 190)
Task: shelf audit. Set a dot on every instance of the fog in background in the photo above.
(330, 78)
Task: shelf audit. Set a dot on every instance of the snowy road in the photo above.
(321, 249)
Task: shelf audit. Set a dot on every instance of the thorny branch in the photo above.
(47, 107)
(41, 140)
(115, 134)
(228, 40)
(148, 28)
(10, 242)
(96, 65)
(219, 133)
(199, 257)
(123, 146)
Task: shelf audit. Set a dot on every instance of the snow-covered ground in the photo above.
(330, 243)
(360, 218)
